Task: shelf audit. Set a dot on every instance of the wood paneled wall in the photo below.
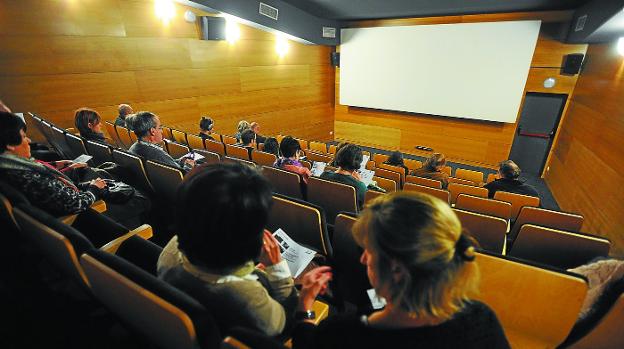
(467, 141)
(59, 55)
(587, 169)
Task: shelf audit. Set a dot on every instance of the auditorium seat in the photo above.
(395, 176)
(164, 179)
(240, 161)
(387, 184)
(133, 136)
(557, 248)
(279, 138)
(455, 189)
(412, 164)
(607, 333)
(332, 149)
(489, 231)
(370, 165)
(460, 181)
(179, 136)
(236, 152)
(244, 338)
(473, 176)
(112, 133)
(546, 218)
(284, 182)
(215, 147)
(101, 152)
(536, 306)
(424, 181)
(263, 159)
(491, 177)
(439, 193)
(302, 143)
(318, 146)
(332, 196)
(217, 137)
(447, 170)
(398, 169)
(491, 207)
(380, 158)
(133, 170)
(312, 156)
(302, 221)
(195, 142)
(228, 139)
(124, 137)
(60, 142)
(76, 145)
(349, 275)
(176, 150)
(517, 201)
(209, 157)
(371, 195)
(165, 316)
(167, 133)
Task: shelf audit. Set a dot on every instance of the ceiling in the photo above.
(346, 10)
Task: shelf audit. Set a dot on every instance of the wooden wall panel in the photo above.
(586, 173)
(473, 142)
(60, 55)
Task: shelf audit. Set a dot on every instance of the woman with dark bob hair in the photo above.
(89, 124)
(421, 262)
(348, 160)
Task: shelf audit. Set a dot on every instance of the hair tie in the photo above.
(464, 248)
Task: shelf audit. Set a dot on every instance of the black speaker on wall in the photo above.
(335, 59)
(572, 63)
(212, 28)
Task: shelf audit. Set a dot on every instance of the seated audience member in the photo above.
(509, 181)
(291, 150)
(205, 128)
(255, 127)
(418, 259)
(124, 110)
(396, 159)
(147, 127)
(247, 141)
(348, 161)
(89, 124)
(338, 147)
(212, 256)
(242, 126)
(432, 168)
(52, 190)
(271, 146)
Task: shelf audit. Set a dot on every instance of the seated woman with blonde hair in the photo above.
(418, 259)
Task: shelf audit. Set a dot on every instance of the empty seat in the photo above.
(380, 158)
(124, 137)
(489, 231)
(101, 152)
(228, 139)
(332, 149)
(371, 195)
(164, 179)
(215, 147)
(236, 152)
(427, 182)
(558, 248)
(209, 157)
(460, 181)
(537, 307)
(133, 170)
(412, 164)
(284, 182)
(517, 201)
(491, 207)
(217, 137)
(546, 218)
(455, 189)
(179, 136)
(370, 165)
(76, 145)
(167, 133)
(473, 176)
(386, 184)
(318, 146)
(279, 138)
(176, 150)
(312, 156)
(59, 142)
(334, 197)
(165, 316)
(263, 159)
(395, 176)
(195, 142)
(112, 133)
(241, 161)
(349, 275)
(447, 170)
(302, 221)
(398, 169)
(302, 143)
(439, 193)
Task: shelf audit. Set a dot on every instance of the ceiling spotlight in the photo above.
(165, 10)
(232, 32)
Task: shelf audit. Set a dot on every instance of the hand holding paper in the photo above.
(270, 253)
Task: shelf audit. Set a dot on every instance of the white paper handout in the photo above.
(318, 167)
(194, 156)
(84, 158)
(376, 301)
(297, 256)
(366, 176)
(365, 159)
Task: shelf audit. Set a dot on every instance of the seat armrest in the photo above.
(145, 231)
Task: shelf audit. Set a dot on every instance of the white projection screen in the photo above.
(468, 70)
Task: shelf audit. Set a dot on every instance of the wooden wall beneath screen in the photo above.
(467, 141)
(587, 168)
(58, 55)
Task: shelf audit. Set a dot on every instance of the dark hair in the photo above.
(83, 117)
(141, 123)
(247, 136)
(349, 157)
(10, 126)
(435, 160)
(271, 146)
(225, 231)
(508, 169)
(124, 110)
(395, 159)
(289, 147)
(206, 123)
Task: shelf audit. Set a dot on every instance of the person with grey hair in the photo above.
(124, 110)
(148, 129)
(509, 181)
(255, 127)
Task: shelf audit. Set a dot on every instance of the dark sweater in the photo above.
(510, 186)
(153, 152)
(476, 326)
(360, 187)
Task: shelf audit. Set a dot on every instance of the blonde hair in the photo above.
(435, 161)
(242, 126)
(420, 236)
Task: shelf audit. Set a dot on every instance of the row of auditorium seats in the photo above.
(542, 287)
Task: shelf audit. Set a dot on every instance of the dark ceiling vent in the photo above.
(268, 11)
